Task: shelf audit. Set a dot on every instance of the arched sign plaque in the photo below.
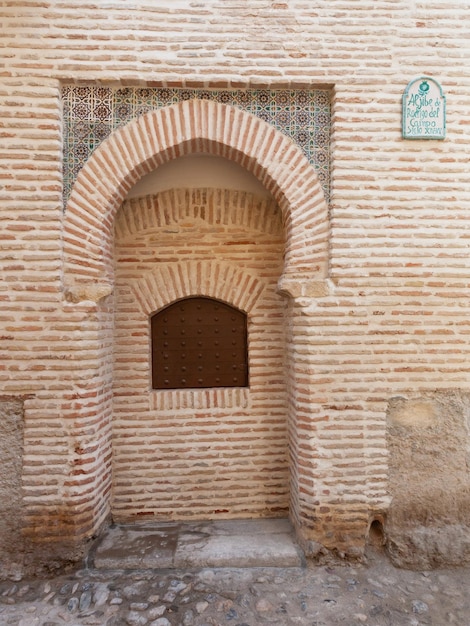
(424, 110)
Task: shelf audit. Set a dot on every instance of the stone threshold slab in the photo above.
(186, 545)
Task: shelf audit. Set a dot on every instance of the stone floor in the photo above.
(182, 575)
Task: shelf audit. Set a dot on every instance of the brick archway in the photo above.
(188, 127)
(195, 126)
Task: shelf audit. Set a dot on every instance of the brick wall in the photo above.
(391, 318)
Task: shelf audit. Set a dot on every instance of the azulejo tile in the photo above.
(92, 113)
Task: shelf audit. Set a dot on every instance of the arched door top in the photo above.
(193, 126)
(199, 342)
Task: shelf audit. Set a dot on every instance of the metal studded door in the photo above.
(199, 342)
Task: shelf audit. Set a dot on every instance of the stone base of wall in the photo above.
(11, 496)
(428, 521)
(427, 547)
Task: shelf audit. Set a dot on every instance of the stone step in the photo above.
(222, 543)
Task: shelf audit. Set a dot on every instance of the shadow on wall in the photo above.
(428, 522)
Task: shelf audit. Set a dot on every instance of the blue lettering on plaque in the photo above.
(424, 110)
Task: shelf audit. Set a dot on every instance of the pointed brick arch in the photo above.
(190, 127)
(195, 126)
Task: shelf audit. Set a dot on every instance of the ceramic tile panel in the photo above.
(92, 113)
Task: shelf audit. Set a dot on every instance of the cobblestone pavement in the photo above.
(373, 594)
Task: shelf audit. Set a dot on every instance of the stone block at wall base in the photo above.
(11, 496)
(427, 523)
(429, 547)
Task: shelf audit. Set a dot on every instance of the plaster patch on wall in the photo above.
(415, 413)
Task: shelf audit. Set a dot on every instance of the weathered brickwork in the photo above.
(373, 288)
